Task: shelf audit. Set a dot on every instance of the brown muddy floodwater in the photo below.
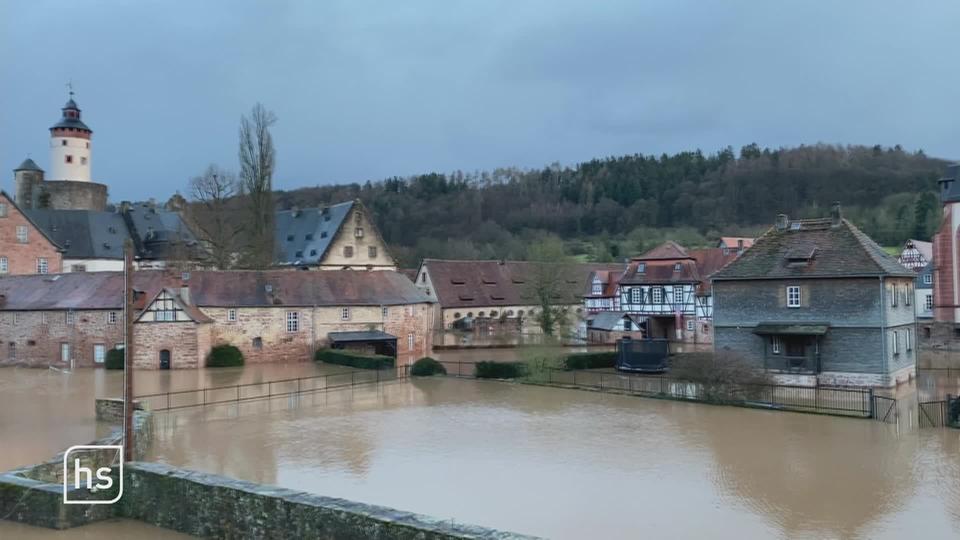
(545, 461)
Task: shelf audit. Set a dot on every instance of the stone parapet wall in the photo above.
(209, 505)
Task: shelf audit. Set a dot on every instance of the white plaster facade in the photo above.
(77, 150)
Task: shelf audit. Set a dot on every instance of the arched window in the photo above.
(520, 313)
(481, 315)
(456, 315)
(493, 313)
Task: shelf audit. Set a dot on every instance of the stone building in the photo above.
(25, 248)
(816, 301)
(498, 296)
(338, 237)
(69, 184)
(71, 320)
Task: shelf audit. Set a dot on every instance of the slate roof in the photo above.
(950, 184)
(66, 122)
(157, 232)
(465, 283)
(925, 271)
(607, 320)
(28, 165)
(838, 251)
(302, 236)
(83, 234)
(352, 337)
(209, 288)
(36, 225)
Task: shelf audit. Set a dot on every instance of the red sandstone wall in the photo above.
(22, 258)
(945, 266)
(37, 336)
(182, 339)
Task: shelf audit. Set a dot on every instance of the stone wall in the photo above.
(72, 195)
(188, 343)
(37, 336)
(208, 505)
(334, 259)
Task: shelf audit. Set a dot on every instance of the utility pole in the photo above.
(128, 313)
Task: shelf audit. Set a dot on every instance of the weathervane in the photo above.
(70, 87)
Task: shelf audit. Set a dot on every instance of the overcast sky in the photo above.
(367, 90)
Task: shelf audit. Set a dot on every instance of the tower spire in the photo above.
(70, 87)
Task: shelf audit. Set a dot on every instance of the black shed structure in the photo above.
(369, 341)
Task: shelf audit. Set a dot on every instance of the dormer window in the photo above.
(677, 267)
(597, 287)
(309, 236)
(641, 268)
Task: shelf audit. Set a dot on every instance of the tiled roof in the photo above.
(609, 278)
(733, 242)
(506, 283)
(230, 288)
(666, 250)
(672, 263)
(838, 251)
(302, 236)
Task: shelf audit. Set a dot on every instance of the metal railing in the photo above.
(844, 401)
(237, 393)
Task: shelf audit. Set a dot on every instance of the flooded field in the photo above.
(544, 461)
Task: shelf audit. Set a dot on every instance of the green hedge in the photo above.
(591, 360)
(346, 358)
(224, 356)
(499, 370)
(426, 367)
(114, 359)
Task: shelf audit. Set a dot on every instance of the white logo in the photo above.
(88, 479)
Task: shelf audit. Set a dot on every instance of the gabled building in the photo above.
(337, 237)
(603, 296)
(816, 301)
(916, 254)
(25, 247)
(734, 244)
(668, 290)
(71, 320)
(498, 296)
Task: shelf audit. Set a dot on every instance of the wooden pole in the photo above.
(128, 348)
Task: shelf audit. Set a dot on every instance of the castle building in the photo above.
(69, 185)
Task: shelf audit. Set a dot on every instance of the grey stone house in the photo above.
(816, 301)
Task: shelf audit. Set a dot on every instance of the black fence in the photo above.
(841, 401)
(940, 413)
(237, 393)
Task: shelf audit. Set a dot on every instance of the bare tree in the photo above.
(214, 214)
(547, 285)
(257, 160)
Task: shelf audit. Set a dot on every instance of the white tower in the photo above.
(70, 146)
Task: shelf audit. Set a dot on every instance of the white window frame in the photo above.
(3, 209)
(99, 353)
(232, 315)
(293, 321)
(22, 234)
(928, 279)
(345, 314)
(69, 318)
(656, 294)
(678, 291)
(597, 287)
(636, 295)
(385, 312)
(907, 294)
(690, 325)
(776, 344)
(929, 302)
(43, 266)
(111, 317)
(64, 351)
(411, 341)
(893, 296)
(16, 318)
(908, 340)
(896, 343)
(4, 265)
(794, 296)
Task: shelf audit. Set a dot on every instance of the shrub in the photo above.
(723, 377)
(114, 359)
(426, 367)
(341, 357)
(590, 360)
(499, 370)
(224, 356)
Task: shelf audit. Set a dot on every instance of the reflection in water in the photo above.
(572, 464)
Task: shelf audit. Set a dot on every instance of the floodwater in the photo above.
(551, 462)
(572, 464)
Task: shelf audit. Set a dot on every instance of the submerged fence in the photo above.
(841, 401)
(236, 393)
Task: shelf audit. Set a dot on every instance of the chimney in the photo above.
(739, 244)
(836, 217)
(782, 222)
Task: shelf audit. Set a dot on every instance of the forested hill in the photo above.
(610, 208)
